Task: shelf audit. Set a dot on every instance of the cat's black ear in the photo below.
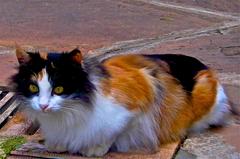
(22, 55)
(76, 55)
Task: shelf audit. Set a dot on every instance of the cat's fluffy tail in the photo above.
(208, 91)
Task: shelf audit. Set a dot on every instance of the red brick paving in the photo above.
(89, 24)
(8, 62)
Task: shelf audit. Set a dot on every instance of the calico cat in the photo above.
(125, 102)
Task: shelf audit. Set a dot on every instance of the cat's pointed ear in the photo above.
(22, 55)
(76, 55)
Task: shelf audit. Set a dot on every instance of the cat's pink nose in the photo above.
(43, 106)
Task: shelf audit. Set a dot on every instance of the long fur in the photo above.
(127, 102)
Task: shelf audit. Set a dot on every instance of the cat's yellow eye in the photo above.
(33, 88)
(58, 90)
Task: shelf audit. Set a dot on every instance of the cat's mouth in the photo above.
(47, 109)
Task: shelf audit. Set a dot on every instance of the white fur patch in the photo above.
(45, 89)
(217, 115)
(140, 134)
(78, 128)
(45, 96)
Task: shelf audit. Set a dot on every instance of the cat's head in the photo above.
(48, 80)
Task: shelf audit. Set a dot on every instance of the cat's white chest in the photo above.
(87, 128)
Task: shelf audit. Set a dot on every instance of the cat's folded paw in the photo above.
(32, 147)
(95, 151)
(56, 149)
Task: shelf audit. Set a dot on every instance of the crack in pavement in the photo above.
(196, 10)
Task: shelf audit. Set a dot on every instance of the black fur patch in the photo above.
(70, 75)
(23, 78)
(183, 68)
(62, 71)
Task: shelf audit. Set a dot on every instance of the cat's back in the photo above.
(182, 68)
(136, 79)
(128, 81)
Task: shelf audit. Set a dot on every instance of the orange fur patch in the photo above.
(43, 55)
(39, 76)
(78, 58)
(128, 83)
(179, 111)
(204, 93)
(22, 56)
(175, 109)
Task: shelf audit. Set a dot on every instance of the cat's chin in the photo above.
(47, 111)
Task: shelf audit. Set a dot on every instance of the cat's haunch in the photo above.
(129, 102)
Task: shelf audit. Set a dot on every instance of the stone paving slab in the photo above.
(165, 152)
(221, 144)
(89, 24)
(209, 48)
(33, 149)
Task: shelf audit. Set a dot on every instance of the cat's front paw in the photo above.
(95, 151)
(56, 148)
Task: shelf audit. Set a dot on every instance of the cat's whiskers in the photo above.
(66, 109)
(70, 108)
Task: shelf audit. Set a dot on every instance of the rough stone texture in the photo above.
(220, 5)
(182, 154)
(89, 24)
(210, 146)
(230, 135)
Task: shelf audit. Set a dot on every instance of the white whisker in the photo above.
(68, 108)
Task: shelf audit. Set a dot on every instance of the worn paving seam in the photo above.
(133, 46)
(196, 10)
